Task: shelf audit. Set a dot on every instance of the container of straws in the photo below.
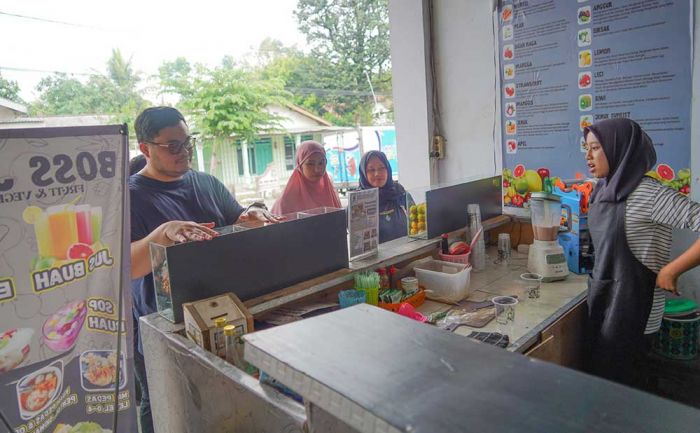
(368, 281)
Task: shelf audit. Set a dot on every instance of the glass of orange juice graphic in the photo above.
(64, 229)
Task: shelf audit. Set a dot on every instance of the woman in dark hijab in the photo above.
(630, 220)
(375, 172)
(137, 163)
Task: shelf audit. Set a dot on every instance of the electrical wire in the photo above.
(47, 20)
(437, 121)
(496, 140)
(44, 71)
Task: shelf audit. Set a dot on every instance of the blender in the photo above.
(546, 257)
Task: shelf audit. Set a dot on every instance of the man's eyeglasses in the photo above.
(175, 147)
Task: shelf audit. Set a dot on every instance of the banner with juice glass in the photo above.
(65, 337)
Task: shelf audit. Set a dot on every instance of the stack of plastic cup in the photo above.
(478, 254)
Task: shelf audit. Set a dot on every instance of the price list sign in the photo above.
(565, 65)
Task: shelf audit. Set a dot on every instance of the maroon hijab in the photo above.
(630, 153)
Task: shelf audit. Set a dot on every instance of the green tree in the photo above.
(350, 50)
(120, 71)
(320, 86)
(227, 101)
(114, 94)
(176, 78)
(10, 90)
(351, 33)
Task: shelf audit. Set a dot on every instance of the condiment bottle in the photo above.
(392, 278)
(219, 348)
(231, 346)
(444, 244)
(383, 279)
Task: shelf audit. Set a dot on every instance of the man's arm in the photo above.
(166, 234)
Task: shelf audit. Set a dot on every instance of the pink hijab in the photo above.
(301, 194)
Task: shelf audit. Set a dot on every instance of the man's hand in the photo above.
(667, 279)
(259, 214)
(183, 231)
(166, 234)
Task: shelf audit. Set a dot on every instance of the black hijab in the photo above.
(391, 191)
(630, 155)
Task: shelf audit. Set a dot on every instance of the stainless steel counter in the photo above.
(193, 390)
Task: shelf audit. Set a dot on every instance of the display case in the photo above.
(417, 212)
(250, 259)
(432, 211)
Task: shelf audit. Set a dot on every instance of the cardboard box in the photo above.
(200, 317)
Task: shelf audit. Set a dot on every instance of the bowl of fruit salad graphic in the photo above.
(61, 329)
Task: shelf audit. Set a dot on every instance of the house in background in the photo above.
(260, 170)
(10, 110)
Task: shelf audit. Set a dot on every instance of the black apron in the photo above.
(620, 296)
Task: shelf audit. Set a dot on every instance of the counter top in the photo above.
(389, 253)
(380, 372)
(531, 315)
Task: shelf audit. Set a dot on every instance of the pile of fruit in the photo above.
(665, 174)
(416, 217)
(520, 183)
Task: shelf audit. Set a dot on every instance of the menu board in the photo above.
(363, 222)
(62, 254)
(567, 64)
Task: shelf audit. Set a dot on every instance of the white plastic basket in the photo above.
(443, 281)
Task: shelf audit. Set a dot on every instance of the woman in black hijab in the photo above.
(375, 172)
(630, 220)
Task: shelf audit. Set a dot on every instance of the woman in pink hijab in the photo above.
(309, 186)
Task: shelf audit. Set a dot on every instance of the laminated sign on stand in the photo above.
(65, 316)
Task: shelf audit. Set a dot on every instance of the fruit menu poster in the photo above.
(567, 64)
(63, 213)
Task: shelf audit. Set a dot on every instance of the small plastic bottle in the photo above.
(231, 346)
(219, 348)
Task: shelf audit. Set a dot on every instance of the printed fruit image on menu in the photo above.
(64, 233)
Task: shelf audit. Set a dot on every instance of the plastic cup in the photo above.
(409, 284)
(349, 298)
(532, 283)
(504, 248)
(372, 295)
(505, 313)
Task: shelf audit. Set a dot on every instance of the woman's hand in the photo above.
(667, 279)
(183, 231)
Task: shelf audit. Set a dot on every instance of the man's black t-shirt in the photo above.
(197, 197)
